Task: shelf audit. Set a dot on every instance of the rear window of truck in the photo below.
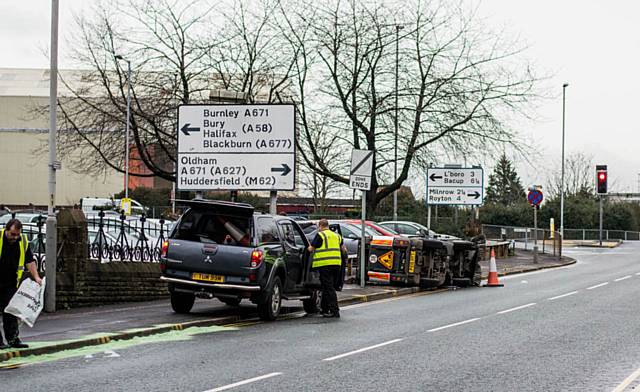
(202, 226)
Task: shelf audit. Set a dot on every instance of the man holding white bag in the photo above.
(14, 256)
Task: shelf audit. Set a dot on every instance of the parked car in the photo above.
(380, 230)
(415, 229)
(225, 250)
(24, 217)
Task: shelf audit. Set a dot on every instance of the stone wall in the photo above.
(82, 282)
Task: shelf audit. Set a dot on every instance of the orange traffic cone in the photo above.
(492, 281)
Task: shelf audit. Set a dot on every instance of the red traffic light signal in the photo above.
(601, 176)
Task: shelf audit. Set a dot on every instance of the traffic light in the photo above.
(601, 179)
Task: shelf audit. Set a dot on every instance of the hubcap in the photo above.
(275, 299)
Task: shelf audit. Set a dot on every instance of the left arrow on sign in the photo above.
(285, 169)
(434, 177)
(186, 129)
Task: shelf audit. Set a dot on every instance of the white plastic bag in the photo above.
(27, 302)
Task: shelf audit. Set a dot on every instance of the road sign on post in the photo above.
(236, 147)
(455, 186)
(535, 197)
(361, 169)
(360, 178)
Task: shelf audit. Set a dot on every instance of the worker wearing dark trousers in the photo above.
(14, 256)
(326, 249)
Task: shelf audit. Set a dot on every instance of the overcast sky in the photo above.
(592, 45)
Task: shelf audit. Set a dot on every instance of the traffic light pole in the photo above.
(600, 220)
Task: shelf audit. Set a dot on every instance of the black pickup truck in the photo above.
(227, 251)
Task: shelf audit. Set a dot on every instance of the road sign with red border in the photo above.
(535, 197)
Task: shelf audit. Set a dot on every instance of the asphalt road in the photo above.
(570, 329)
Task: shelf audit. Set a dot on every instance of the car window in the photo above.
(347, 232)
(403, 228)
(291, 234)
(266, 230)
(310, 228)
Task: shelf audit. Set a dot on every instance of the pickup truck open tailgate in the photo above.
(207, 258)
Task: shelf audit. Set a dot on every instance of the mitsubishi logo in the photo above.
(208, 259)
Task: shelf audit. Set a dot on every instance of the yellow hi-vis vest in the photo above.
(23, 252)
(329, 252)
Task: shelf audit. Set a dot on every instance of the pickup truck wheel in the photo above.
(312, 305)
(182, 302)
(270, 309)
(231, 301)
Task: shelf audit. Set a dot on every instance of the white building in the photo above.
(24, 175)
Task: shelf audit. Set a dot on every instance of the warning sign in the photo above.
(386, 260)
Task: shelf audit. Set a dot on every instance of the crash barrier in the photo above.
(525, 237)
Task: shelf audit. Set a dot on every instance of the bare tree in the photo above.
(322, 187)
(458, 84)
(578, 176)
(335, 59)
(177, 58)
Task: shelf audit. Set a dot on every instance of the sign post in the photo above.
(360, 178)
(535, 198)
(236, 147)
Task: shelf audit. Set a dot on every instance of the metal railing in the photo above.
(127, 240)
(525, 237)
(594, 234)
(110, 238)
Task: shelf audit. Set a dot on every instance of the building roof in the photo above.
(30, 82)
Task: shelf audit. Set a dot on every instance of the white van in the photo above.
(91, 205)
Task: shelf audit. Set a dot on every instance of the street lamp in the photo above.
(395, 150)
(564, 88)
(126, 158)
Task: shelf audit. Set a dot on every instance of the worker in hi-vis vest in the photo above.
(326, 249)
(14, 256)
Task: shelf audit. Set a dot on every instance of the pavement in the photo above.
(81, 327)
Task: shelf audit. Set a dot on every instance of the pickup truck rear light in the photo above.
(164, 249)
(256, 258)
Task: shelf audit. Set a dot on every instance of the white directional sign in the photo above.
(236, 147)
(361, 169)
(450, 186)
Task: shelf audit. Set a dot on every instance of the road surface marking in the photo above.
(396, 298)
(362, 350)
(623, 278)
(627, 381)
(516, 308)
(598, 285)
(562, 296)
(454, 324)
(245, 382)
(637, 273)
